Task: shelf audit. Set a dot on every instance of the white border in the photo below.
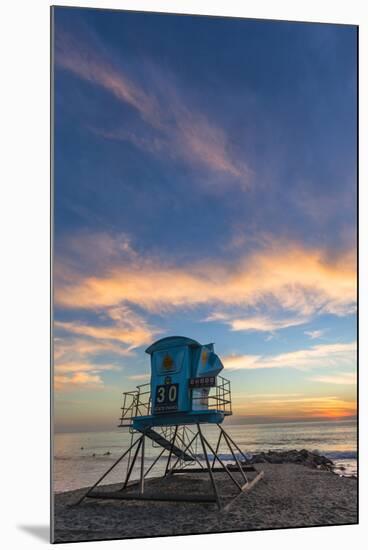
(24, 204)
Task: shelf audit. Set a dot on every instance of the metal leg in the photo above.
(130, 450)
(154, 462)
(141, 481)
(208, 468)
(170, 453)
(185, 448)
(222, 464)
(105, 474)
(132, 464)
(235, 458)
(246, 459)
(217, 449)
(245, 489)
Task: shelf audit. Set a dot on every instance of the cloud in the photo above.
(282, 275)
(77, 352)
(133, 336)
(110, 331)
(124, 332)
(259, 323)
(343, 378)
(314, 334)
(74, 375)
(178, 128)
(79, 380)
(90, 252)
(328, 355)
(239, 362)
(256, 396)
(73, 367)
(140, 377)
(69, 348)
(86, 63)
(71, 374)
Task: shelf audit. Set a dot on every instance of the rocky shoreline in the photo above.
(307, 458)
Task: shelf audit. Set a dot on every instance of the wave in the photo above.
(340, 455)
(333, 455)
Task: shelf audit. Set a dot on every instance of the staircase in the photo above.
(157, 438)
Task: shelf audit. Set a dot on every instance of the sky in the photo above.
(205, 186)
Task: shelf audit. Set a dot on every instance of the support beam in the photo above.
(139, 446)
(154, 462)
(222, 464)
(117, 495)
(141, 480)
(132, 464)
(247, 487)
(107, 472)
(235, 458)
(185, 450)
(209, 468)
(217, 449)
(246, 459)
(188, 449)
(171, 450)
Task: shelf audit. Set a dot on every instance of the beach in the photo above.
(289, 495)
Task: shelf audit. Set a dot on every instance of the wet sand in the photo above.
(289, 495)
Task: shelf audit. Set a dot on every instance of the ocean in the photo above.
(81, 458)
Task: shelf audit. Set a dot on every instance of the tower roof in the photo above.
(172, 341)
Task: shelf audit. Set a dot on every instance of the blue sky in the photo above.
(205, 185)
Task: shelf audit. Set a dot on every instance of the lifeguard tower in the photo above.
(186, 392)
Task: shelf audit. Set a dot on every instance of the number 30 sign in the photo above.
(166, 399)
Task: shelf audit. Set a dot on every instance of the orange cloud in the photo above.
(126, 330)
(70, 348)
(305, 281)
(77, 380)
(133, 336)
(75, 367)
(79, 375)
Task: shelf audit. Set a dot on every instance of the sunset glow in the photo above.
(201, 195)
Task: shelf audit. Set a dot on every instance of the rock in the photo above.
(312, 460)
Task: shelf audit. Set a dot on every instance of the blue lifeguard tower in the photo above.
(185, 392)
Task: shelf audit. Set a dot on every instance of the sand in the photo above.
(289, 495)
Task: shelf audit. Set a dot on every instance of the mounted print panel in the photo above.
(205, 282)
